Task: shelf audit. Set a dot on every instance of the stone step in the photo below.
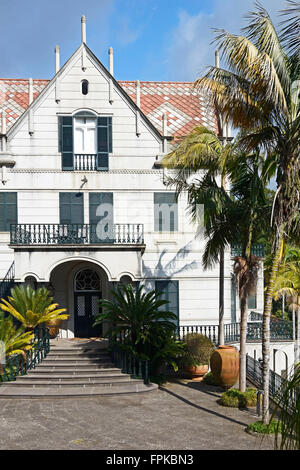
(74, 371)
(73, 392)
(99, 382)
(78, 361)
(78, 354)
(117, 375)
(75, 365)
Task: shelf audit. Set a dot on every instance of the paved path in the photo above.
(182, 415)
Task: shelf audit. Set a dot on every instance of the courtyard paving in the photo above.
(182, 415)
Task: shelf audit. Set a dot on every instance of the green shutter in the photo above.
(170, 292)
(104, 142)
(101, 217)
(252, 304)
(66, 142)
(8, 211)
(71, 208)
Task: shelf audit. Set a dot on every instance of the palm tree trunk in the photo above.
(298, 334)
(266, 332)
(221, 299)
(243, 340)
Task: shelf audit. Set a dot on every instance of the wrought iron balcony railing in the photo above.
(79, 234)
(257, 249)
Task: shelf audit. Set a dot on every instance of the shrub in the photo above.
(236, 399)
(199, 348)
(208, 379)
(260, 427)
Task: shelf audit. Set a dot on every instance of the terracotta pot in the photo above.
(224, 364)
(53, 326)
(197, 372)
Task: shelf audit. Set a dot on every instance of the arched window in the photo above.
(84, 87)
(87, 280)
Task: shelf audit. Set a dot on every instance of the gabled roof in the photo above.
(184, 106)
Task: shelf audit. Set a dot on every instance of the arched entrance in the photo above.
(87, 293)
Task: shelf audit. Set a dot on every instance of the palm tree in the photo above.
(201, 150)
(288, 283)
(32, 307)
(259, 92)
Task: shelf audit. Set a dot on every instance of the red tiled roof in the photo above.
(184, 106)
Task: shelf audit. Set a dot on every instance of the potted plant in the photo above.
(199, 348)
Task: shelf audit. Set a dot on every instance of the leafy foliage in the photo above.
(15, 340)
(32, 307)
(237, 399)
(148, 331)
(287, 410)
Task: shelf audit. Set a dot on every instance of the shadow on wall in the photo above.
(168, 269)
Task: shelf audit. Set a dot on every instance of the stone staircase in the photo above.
(74, 369)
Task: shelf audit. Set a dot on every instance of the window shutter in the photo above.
(8, 211)
(71, 208)
(170, 292)
(165, 212)
(101, 217)
(104, 142)
(66, 142)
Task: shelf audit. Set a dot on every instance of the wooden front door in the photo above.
(86, 304)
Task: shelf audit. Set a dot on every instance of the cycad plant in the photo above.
(32, 307)
(139, 314)
(258, 92)
(14, 340)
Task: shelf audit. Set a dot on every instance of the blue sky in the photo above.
(152, 39)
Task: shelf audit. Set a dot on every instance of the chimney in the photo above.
(57, 59)
(111, 60)
(138, 93)
(83, 29)
(30, 94)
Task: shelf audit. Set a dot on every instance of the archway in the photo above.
(77, 285)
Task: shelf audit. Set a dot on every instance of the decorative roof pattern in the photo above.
(14, 97)
(185, 107)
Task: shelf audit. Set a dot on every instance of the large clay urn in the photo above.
(224, 364)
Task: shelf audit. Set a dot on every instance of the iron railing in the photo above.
(136, 366)
(257, 249)
(278, 327)
(7, 282)
(276, 383)
(78, 234)
(232, 332)
(19, 365)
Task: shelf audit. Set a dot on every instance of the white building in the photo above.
(83, 203)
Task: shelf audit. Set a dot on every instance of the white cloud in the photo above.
(190, 50)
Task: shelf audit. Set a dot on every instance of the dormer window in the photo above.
(84, 87)
(85, 141)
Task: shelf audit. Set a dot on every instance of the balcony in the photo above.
(257, 249)
(76, 234)
(85, 162)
